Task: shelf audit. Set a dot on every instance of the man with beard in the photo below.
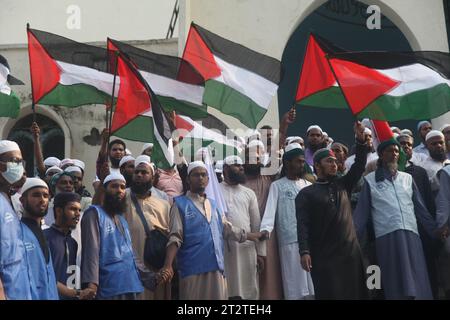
(314, 142)
(64, 248)
(445, 129)
(35, 196)
(155, 212)
(327, 239)
(422, 182)
(246, 257)
(341, 152)
(280, 213)
(14, 280)
(126, 166)
(423, 127)
(108, 267)
(270, 282)
(197, 231)
(437, 159)
(391, 200)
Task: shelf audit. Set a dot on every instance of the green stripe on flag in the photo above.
(75, 95)
(233, 103)
(183, 107)
(329, 98)
(410, 106)
(9, 105)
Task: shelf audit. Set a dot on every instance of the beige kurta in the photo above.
(241, 258)
(156, 212)
(205, 286)
(270, 282)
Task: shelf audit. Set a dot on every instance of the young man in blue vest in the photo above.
(108, 266)
(14, 281)
(392, 201)
(35, 197)
(197, 231)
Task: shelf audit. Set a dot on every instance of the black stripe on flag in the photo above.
(66, 50)
(243, 57)
(163, 65)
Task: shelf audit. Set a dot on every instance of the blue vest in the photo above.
(392, 204)
(286, 220)
(13, 263)
(202, 248)
(118, 273)
(42, 275)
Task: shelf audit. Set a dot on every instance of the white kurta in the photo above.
(241, 258)
(297, 283)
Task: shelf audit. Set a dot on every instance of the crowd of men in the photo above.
(309, 231)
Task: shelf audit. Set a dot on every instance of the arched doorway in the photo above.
(344, 23)
(52, 139)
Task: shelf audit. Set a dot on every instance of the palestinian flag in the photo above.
(136, 101)
(9, 102)
(176, 83)
(196, 136)
(388, 86)
(239, 82)
(68, 73)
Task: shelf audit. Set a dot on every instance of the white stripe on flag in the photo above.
(250, 84)
(167, 87)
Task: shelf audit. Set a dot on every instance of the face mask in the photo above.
(13, 173)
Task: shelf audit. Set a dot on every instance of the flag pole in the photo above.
(33, 107)
(109, 120)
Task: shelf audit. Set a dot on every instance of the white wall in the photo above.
(123, 20)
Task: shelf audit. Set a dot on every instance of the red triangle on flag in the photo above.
(44, 71)
(133, 98)
(316, 74)
(200, 56)
(360, 85)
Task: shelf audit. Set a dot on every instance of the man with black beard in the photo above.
(437, 159)
(314, 142)
(391, 200)
(247, 257)
(155, 212)
(327, 239)
(270, 277)
(108, 266)
(126, 166)
(35, 196)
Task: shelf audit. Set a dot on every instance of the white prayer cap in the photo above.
(125, 159)
(66, 162)
(219, 166)
(292, 146)
(128, 152)
(434, 133)
(52, 161)
(330, 140)
(78, 163)
(202, 154)
(114, 176)
(421, 123)
(445, 126)
(144, 159)
(314, 127)
(195, 164)
(253, 134)
(395, 128)
(31, 183)
(256, 143)
(146, 146)
(54, 168)
(367, 131)
(293, 138)
(325, 134)
(230, 160)
(407, 132)
(7, 146)
(73, 169)
(366, 122)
